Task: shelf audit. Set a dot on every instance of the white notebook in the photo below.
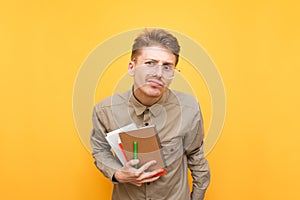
(114, 141)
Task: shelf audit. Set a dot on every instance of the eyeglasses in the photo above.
(167, 71)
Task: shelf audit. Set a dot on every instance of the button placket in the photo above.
(147, 119)
(148, 193)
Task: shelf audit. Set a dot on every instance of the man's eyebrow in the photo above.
(164, 63)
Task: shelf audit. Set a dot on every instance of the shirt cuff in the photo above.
(198, 194)
(114, 180)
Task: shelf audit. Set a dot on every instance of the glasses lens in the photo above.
(167, 71)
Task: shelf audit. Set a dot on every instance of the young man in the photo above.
(175, 115)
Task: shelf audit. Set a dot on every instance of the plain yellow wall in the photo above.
(255, 45)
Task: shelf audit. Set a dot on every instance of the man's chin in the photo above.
(155, 91)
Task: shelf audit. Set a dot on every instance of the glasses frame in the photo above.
(155, 66)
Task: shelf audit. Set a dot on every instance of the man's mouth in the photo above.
(155, 83)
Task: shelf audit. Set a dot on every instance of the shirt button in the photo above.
(148, 183)
(146, 124)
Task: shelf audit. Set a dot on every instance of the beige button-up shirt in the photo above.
(178, 121)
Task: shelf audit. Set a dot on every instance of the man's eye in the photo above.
(150, 63)
(167, 67)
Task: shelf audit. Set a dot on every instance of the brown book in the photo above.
(148, 146)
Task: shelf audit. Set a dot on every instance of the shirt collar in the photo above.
(155, 109)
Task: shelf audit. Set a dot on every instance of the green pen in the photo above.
(135, 152)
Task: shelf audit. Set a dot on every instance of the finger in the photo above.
(137, 184)
(149, 180)
(147, 165)
(132, 162)
(147, 175)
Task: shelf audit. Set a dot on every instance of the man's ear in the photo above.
(131, 68)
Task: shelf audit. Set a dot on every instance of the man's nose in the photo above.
(158, 72)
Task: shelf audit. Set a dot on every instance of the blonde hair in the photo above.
(156, 37)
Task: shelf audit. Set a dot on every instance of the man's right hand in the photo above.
(129, 174)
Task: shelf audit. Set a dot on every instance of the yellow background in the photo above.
(255, 45)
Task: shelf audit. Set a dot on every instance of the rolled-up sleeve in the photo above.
(104, 158)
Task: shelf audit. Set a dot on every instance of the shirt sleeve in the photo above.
(104, 159)
(197, 163)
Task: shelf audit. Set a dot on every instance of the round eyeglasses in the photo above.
(166, 71)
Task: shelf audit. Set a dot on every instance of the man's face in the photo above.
(151, 70)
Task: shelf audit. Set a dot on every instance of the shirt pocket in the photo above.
(172, 150)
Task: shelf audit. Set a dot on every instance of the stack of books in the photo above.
(131, 142)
